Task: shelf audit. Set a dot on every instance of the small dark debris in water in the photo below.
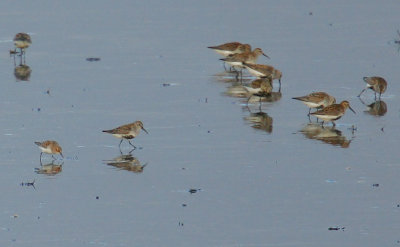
(184, 205)
(38, 109)
(166, 84)
(375, 185)
(192, 191)
(48, 91)
(398, 205)
(330, 24)
(72, 106)
(93, 59)
(97, 197)
(206, 100)
(336, 228)
(310, 13)
(382, 129)
(180, 223)
(209, 131)
(29, 184)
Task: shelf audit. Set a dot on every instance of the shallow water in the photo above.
(216, 173)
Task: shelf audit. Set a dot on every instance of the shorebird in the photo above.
(231, 48)
(333, 112)
(236, 60)
(262, 70)
(316, 100)
(376, 83)
(49, 147)
(127, 131)
(22, 41)
(259, 85)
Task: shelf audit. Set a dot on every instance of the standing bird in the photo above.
(49, 147)
(231, 48)
(22, 41)
(316, 100)
(376, 83)
(127, 131)
(262, 70)
(333, 112)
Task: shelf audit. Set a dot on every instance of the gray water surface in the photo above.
(212, 175)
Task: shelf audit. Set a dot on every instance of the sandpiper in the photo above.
(263, 70)
(49, 147)
(259, 85)
(316, 100)
(127, 131)
(231, 48)
(376, 83)
(333, 112)
(236, 60)
(22, 41)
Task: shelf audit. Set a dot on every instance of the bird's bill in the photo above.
(145, 130)
(266, 55)
(62, 155)
(352, 110)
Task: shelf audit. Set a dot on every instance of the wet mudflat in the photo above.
(211, 171)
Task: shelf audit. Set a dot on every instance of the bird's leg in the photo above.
(120, 144)
(361, 92)
(134, 147)
(41, 157)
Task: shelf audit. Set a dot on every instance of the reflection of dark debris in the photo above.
(192, 191)
(310, 13)
(336, 228)
(184, 205)
(382, 129)
(397, 41)
(29, 184)
(375, 185)
(180, 223)
(93, 59)
(166, 84)
(48, 91)
(97, 197)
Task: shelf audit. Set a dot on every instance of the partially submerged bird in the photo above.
(22, 41)
(231, 48)
(127, 131)
(262, 70)
(317, 100)
(49, 147)
(376, 83)
(333, 112)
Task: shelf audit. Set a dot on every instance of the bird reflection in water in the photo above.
(377, 108)
(230, 77)
(261, 121)
(126, 162)
(50, 169)
(22, 72)
(326, 134)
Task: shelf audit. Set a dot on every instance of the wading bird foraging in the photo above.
(127, 131)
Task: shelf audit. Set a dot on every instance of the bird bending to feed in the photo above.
(127, 131)
(231, 48)
(49, 147)
(236, 60)
(262, 70)
(333, 112)
(376, 83)
(22, 41)
(316, 100)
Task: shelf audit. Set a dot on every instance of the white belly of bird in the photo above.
(255, 72)
(21, 44)
(327, 117)
(235, 64)
(46, 150)
(224, 53)
(311, 104)
(252, 90)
